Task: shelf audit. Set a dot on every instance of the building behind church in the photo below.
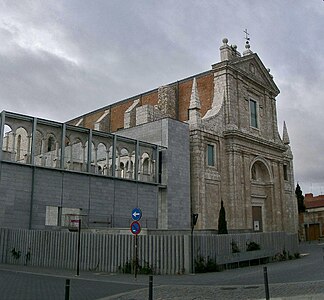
(174, 151)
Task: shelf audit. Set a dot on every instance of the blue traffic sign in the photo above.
(136, 214)
(135, 228)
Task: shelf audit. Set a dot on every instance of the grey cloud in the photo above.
(92, 53)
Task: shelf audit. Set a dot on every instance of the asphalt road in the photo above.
(17, 285)
(304, 276)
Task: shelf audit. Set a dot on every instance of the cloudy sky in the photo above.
(60, 59)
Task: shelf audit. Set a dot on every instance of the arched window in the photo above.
(50, 144)
(260, 172)
(253, 173)
(122, 170)
(129, 166)
(146, 166)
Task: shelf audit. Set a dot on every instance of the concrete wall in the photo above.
(25, 191)
(174, 198)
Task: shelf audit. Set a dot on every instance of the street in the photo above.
(304, 276)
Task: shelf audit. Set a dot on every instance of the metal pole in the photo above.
(151, 287)
(194, 218)
(192, 252)
(67, 289)
(79, 246)
(136, 256)
(266, 284)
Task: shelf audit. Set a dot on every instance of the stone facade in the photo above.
(231, 112)
(222, 144)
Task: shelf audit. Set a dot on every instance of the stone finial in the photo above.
(194, 106)
(194, 98)
(226, 52)
(285, 136)
(269, 73)
(248, 50)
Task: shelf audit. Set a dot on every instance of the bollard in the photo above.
(67, 289)
(151, 288)
(266, 284)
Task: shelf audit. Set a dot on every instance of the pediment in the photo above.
(252, 67)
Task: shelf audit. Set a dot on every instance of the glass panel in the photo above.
(253, 111)
(285, 170)
(211, 155)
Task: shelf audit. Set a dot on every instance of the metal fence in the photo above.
(164, 254)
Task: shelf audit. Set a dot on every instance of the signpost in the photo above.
(135, 229)
(194, 218)
(136, 214)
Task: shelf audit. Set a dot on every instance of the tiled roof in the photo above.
(313, 202)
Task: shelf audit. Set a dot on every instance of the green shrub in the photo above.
(129, 267)
(202, 266)
(16, 254)
(235, 248)
(252, 246)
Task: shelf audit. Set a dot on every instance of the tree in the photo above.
(222, 224)
(300, 199)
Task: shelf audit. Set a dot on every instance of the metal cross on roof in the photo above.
(246, 35)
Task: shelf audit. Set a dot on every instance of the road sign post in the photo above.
(136, 214)
(135, 229)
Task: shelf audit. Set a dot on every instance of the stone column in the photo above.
(28, 160)
(13, 146)
(57, 154)
(83, 157)
(42, 151)
(118, 166)
(130, 171)
(247, 192)
(71, 156)
(95, 160)
(107, 162)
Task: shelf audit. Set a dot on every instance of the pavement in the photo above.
(301, 278)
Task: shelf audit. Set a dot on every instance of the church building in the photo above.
(174, 151)
(236, 152)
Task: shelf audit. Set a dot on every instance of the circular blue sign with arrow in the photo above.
(136, 214)
(135, 228)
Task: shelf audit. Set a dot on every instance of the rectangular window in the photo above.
(285, 172)
(253, 113)
(210, 155)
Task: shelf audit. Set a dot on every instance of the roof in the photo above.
(313, 202)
